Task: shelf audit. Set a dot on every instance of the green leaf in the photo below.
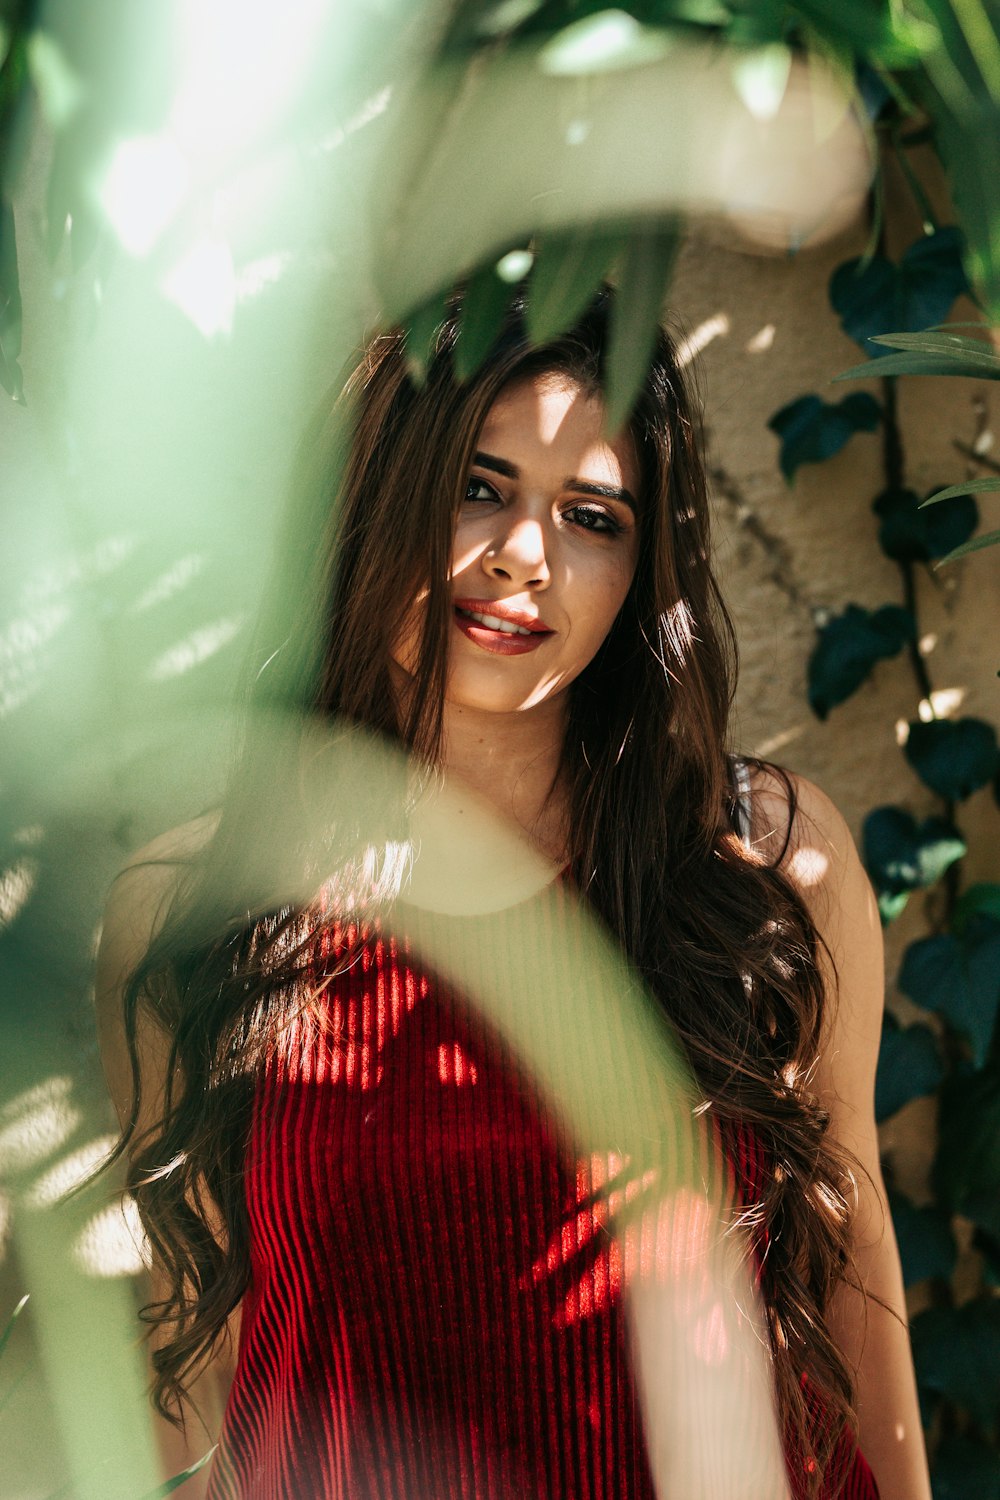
(926, 1243)
(966, 1174)
(959, 978)
(982, 897)
(909, 1066)
(484, 306)
(847, 648)
(812, 430)
(964, 1468)
(421, 333)
(954, 757)
(880, 33)
(910, 534)
(643, 278)
(11, 377)
(176, 1480)
(568, 270)
(972, 487)
(978, 543)
(9, 1325)
(902, 855)
(874, 297)
(977, 354)
(956, 1351)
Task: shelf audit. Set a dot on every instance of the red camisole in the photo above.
(435, 1301)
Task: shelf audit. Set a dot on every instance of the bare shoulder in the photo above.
(137, 903)
(141, 892)
(796, 826)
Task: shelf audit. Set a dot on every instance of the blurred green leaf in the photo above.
(909, 1066)
(11, 377)
(873, 298)
(847, 648)
(965, 1469)
(884, 34)
(954, 757)
(966, 1174)
(960, 979)
(926, 1243)
(956, 1351)
(568, 270)
(644, 276)
(812, 430)
(982, 897)
(973, 487)
(978, 543)
(177, 1480)
(483, 308)
(9, 1325)
(421, 331)
(902, 855)
(908, 533)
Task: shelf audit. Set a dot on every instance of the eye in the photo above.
(593, 518)
(477, 491)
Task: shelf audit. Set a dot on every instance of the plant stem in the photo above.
(895, 478)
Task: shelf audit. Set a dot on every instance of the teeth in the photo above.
(493, 622)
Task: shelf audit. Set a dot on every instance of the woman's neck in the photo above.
(512, 762)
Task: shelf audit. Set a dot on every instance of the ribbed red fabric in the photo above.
(435, 1302)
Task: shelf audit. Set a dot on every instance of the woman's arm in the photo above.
(823, 864)
(135, 908)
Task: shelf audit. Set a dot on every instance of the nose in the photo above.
(519, 554)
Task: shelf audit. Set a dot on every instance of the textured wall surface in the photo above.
(786, 553)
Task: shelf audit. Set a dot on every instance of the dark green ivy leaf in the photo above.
(966, 1174)
(877, 297)
(983, 897)
(926, 1243)
(956, 1351)
(909, 533)
(848, 647)
(909, 1066)
(902, 855)
(959, 978)
(965, 1469)
(812, 430)
(954, 757)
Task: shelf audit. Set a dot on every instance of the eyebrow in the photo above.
(582, 486)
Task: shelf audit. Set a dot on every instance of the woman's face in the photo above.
(545, 549)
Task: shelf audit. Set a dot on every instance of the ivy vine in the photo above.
(952, 972)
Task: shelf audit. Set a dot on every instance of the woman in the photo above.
(321, 1122)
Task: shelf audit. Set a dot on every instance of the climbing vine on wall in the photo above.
(953, 971)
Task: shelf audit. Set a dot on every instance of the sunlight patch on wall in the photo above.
(21, 643)
(699, 338)
(36, 1123)
(195, 648)
(60, 1180)
(17, 882)
(169, 583)
(762, 340)
(112, 1242)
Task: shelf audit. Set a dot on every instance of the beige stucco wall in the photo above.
(786, 553)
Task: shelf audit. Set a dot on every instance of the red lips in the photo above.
(499, 642)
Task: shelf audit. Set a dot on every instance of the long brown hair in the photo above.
(719, 937)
